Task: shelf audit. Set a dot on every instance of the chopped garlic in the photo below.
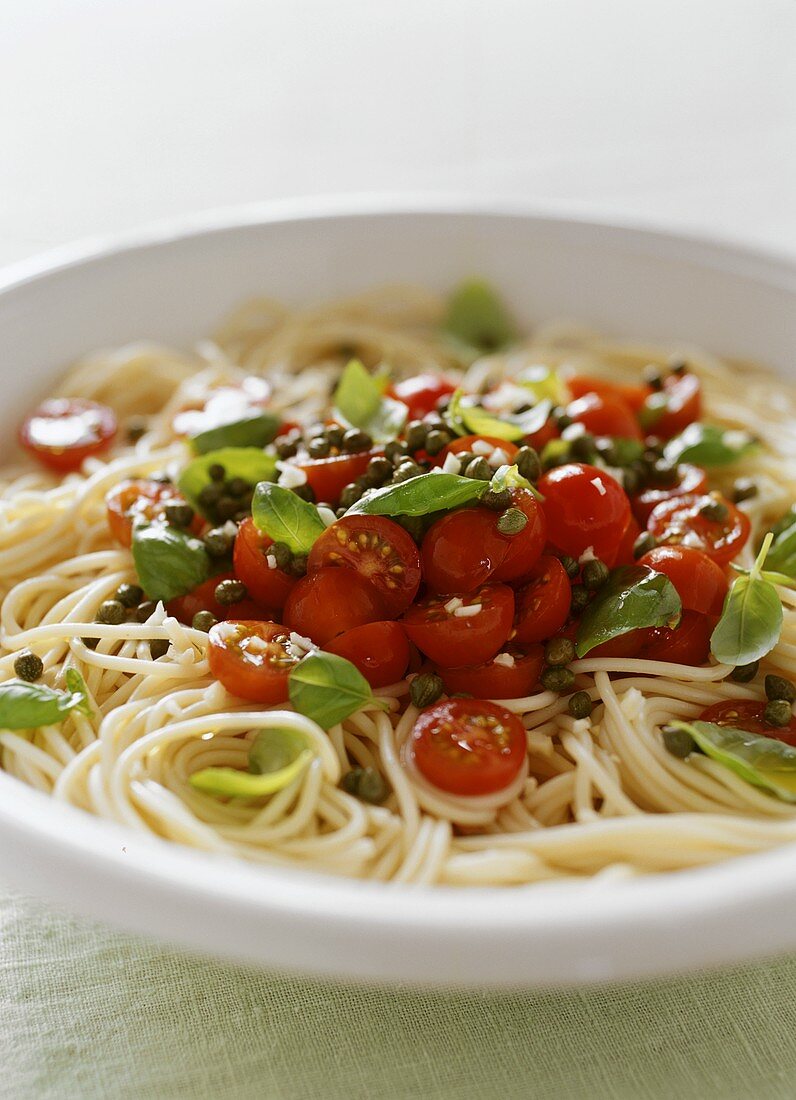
(737, 439)
(454, 604)
(468, 611)
(573, 431)
(504, 659)
(290, 477)
(451, 465)
(498, 458)
(598, 484)
(301, 644)
(587, 555)
(482, 448)
(327, 515)
(270, 561)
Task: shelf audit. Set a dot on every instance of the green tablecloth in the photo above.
(86, 1012)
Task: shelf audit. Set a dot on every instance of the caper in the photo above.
(571, 566)
(379, 469)
(778, 712)
(90, 643)
(28, 666)
(595, 574)
(209, 495)
(436, 440)
(777, 687)
(136, 428)
(662, 473)
(226, 508)
(144, 611)
(479, 469)
(678, 366)
(238, 487)
(297, 566)
(715, 510)
(557, 679)
(230, 591)
(643, 544)
(349, 495)
(512, 521)
(158, 647)
(632, 480)
(559, 651)
(653, 377)
(742, 674)
(425, 689)
(395, 452)
(179, 515)
(319, 447)
(580, 705)
(407, 470)
(677, 742)
(366, 784)
(334, 434)
(129, 595)
(218, 542)
(216, 472)
(305, 493)
(562, 419)
(286, 448)
(582, 447)
(416, 434)
(111, 612)
(579, 597)
(281, 553)
(497, 500)
(356, 440)
(528, 463)
(203, 620)
(744, 488)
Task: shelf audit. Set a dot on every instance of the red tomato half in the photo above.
(203, 598)
(700, 582)
(63, 431)
(681, 521)
(747, 715)
(140, 498)
(634, 396)
(496, 680)
(461, 551)
(525, 548)
(252, 659)
(327, 477)
(690, 479)
(421, 393)
(679, 404)
(452, 639)
(602, 414)
(379, 550)
(250, 557)
(468, 746)
(584, 507)
(330, 601)
(686, 644)
(379, 650)
(542, 605)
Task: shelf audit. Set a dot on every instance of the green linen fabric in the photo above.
(90, 1013)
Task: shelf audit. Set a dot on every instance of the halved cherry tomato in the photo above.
(688, 643)
(203, 598)
(328, 602)
(634, 396)
(380, 551)
(701, 584)
(252, 659)
(672, 409)
(496, 680)
(379, 650)
(468, 746)
(466, 443)
(746, 714)
(452, 639)
(461, 551)
(140, 498)
(421, 393)
(681, 521)
(224, 405)
(63, 431)
(327, 477)
(525, 548)
(584, 507)
(542, 605)
(690, 479)
(250, 558)
(602, 414)
(624, 555)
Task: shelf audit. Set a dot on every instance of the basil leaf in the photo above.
(274, 749)
(359, 401)
(709, 445)
(252, 431)
(169, 562)
(781, 558)
(77, 687)
(28, 706)
(467, 418)
(477, 317)
(285, 517)
(327, 688)
(232, 783)
(509, 477)
(633, 597)
(750, 623)
(421, 495)
(250, 463)
(762, 761)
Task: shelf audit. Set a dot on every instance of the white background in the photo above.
(117, 112)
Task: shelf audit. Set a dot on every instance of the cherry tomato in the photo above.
(681, 402)
(452, 639)
(686, 644)
(542, 605)
(624, 645)
(496, 680)
(624, 555)
(461, 551)
(468, 746)
(690, 479)
(701, 584)
(746, 714)
(224, 405)
(681, 521)
(549, 430)
(203, 598)
(252, 659)
(421, 393)
(140, 498)
(525, 548)
(634, 396)
(379, 650)
(330, 601)
(63, 431)
(602, 414)
(379, 550)
(584, 507)
(327, 477)
(250, 558)
(466, 443)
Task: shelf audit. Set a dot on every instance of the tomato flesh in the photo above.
(379, 650)
(452, 639)
(496, 680)
(330, 601)
(701, 584)
(462, 550)
(421, 393)
(603, 414)
(688, 643)
(542, 605)
(141, 499)
(64, 431)
(252, 659)
(468, 746)
(203, 598)
(250, 558)
(680, 521)
(327, 477)
(585, 507)
(690, 479)
(747, 714)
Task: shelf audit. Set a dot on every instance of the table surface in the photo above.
(117, 114)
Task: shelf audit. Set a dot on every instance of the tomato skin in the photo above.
(379, 650)
(327, 477)
(465, 443)
(603, 414)
(690, 479)
(141, 498)
(525, 548)
(634, 396)
(202, 598)
(747, 714)
(252, 659)
(624, 645)
(498, 681)
(63, 431)
(676, 520)
(379, 550)
(468, 746)
(542, 605)
(683, 405)
(268, 586)
(584, 507)
(686, 644)
(452, 640)
(421, 393)
(462, 550)
(624, 554)
(701, 584)
(330, 601)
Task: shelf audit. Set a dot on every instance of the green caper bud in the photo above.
(643, 544)
(366, 784)
(216, 472)
(744, 488)
(298, 565)
(497, 501)
(129, 595)
(286, 448)
(356, 440)
(632, 480)
(395, 452)
(528, 463)
(562, 419)
(238, 487)
(144, 611)
(595, 574)
(425, 689)
(350, 495)
(226, 508)
(179, 515)
(334, 434)
(777, 687)
(379, 469)
(557, 679)
(436, 440)
(416, 434)
(559, 651)
(281, 553)
(218, 542)
(209, 495)
(662, 473)
(203, 620)
(778, 713)
(582, 447)
(230, 591)
(571, 566)
(715, 510)
(90, 643)
(579, 597)
(742, 674)
(653, 377)
(319, 447)
(512, 521)
(158, 647)
(580, 705)
(27, 666)
(305, 493)
(407, 470)
(111, 612)
(677, 742)
(479, 469)
(678, 367)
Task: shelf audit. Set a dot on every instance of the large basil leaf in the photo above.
(633, 597)
(477, 317)
(252, 431)
(360, 402)
(168, 562)
(28, 706)
(466, 417)
(421, 495)
(762, 761)
(249, 463)
(781, 558)
(285, 517)
(709, 445)
(751, 619)
(327, 688)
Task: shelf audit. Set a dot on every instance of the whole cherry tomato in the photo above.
(379, 650)
(462, 550)
(141, 499)
(690, 479)
(701, 584)
(327, 477)
(453, 631)
(634, 396)
(203, 598)
(602, 414)
(466, 443)
(526, 546)
(585, 507)
(670, 410)
(421, 393)
(688, 643)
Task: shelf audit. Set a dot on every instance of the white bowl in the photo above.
(173, 285)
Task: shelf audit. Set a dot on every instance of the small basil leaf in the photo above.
(251, 431)
(169, 562)
(542, 383)
(77, 687)
(750, 623)
(781, 558)
(708, 445)
(508, 477)
(633, 597)
(360, 402)
(285, 517)
(28, 706)
(477, 317)
(274, 749)
(249, 463)
(231, 783)
(467, 418)
(420, 496)
(762, 761)
(327, 688)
